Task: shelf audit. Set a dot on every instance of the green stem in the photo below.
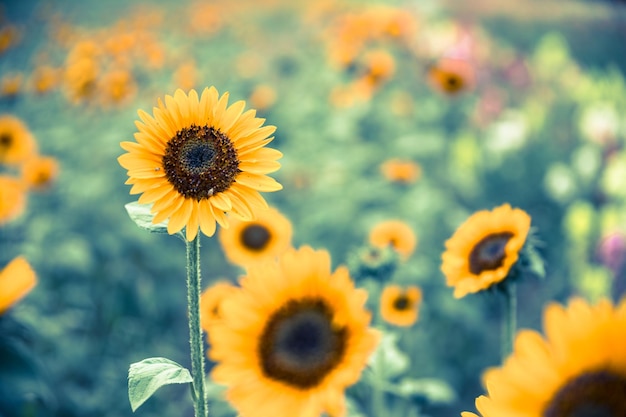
(194, 289)
(509, 324)
(378, 395)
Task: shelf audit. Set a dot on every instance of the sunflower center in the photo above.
(255, 237)
(453, 82)
(300, 345)
(402, 303)
(593, 394)
(489, 253)
(200, 161)
(6, 141)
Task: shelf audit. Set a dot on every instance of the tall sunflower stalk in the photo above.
(509, 321)
(194, 289)
(196, 159)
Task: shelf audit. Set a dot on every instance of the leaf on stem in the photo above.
(148, 375)
(141, 215)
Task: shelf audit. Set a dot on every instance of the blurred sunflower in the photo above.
(484, 248)
(11, 85)
(399, 306)
(210, 302)
(397, 170)
(45, 78)
(198, 159)
(249, 242)
(81, 79)
(451, 76)
(39, 172)
(16, 280)
(380, 66)
(12, 198)
(16, 142)
(578, 369)
(394, 233)
(293, 338)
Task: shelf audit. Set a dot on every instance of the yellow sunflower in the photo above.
(293, 338)
(210, 302)
(16, 142)
(399, 305)
(451, 76)
(402, 171)
(198, 159)
(484, 248)
(12, 198)
(249, 242)
(395, 233)
(578, 369)
(16, 280)
(39, 172)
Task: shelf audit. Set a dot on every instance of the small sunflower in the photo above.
(293, 338)
(16, 142)
(249, 242)
(210, 302)
(401, 171)
(394, 233)
(399, 306)
(39, 172)
(16, 280)
(198, 159)
(12, 198)
(451, 76)
(484, 248)
(577, 369)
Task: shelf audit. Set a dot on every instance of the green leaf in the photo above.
(148, 375)
(428, 390)
(388, 361)
(141, 215)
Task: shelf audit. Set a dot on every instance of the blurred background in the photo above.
(422, 111)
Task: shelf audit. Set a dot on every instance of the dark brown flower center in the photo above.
(401, 303)
(489, 253)
(300, 345)
(592, 394)
(255, 237)
(6, 140)
(453, 82)
(200, 161)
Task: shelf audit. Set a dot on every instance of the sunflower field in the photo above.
(348, 208)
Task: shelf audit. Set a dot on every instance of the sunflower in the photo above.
(451, 76)
(402, 171)
(12, 199)
(578, 369)
(399, 305)
(249, 242)
(394, 233)
(293, 338)
(39, 172)
(198, 159)
(16, 142)
(482, 251)
(16, 280)
(210, 302)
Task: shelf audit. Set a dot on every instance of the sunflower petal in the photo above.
(258, 182)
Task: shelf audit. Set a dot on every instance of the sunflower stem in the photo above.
(509, 324)
(194, 289)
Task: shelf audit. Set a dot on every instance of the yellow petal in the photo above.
(180, 217)
(258, 182)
